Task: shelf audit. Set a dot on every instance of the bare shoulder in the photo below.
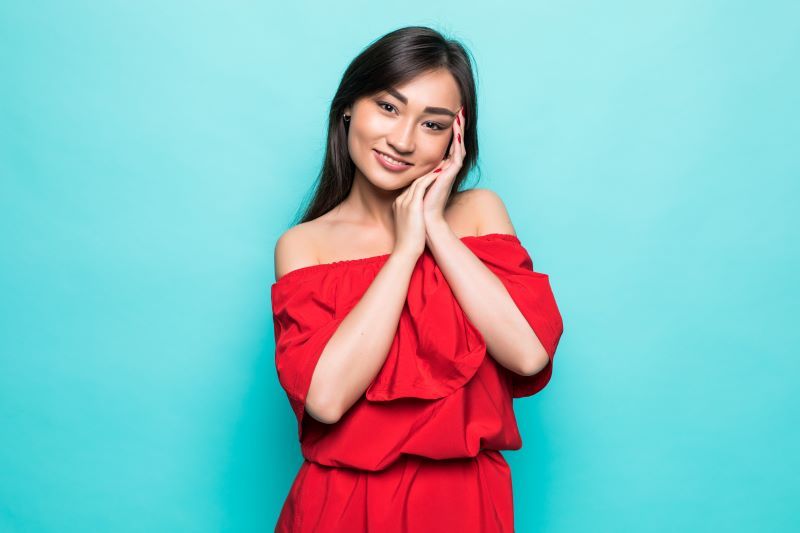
(296, 248)
(488, 210)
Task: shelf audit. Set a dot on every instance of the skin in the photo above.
(405, 212)
(401, 130)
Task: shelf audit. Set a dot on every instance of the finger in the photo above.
(415, 201)
(453, 140)
(419, 192)
(408, 194)
(411, 190)
(460, 134)
(445, 164)
(458, 128)
(403, 196)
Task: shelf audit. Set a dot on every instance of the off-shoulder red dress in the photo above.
(419, 451)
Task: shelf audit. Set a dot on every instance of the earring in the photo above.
(347, 118)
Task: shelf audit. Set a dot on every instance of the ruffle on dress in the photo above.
(436, 349)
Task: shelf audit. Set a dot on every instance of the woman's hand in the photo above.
(410, 232)
(436, 197)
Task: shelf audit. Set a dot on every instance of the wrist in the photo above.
(402, 259)
(436, 225)
(437, 230)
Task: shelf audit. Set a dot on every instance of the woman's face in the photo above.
(411, 122)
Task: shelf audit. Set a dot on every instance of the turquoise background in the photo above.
(151, 153)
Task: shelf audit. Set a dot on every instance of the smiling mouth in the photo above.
(391, 160)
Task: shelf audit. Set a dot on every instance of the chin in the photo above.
(387, 183)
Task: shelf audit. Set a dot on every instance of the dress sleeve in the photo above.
(304, 320)
(505, 256)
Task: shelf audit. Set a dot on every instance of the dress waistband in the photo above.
(413, 459)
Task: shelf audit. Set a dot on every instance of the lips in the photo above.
(395, 160)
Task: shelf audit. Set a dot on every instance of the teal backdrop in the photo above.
(151, 153)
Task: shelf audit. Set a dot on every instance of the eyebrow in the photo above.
(429, 109)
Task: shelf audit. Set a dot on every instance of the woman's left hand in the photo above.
(436, 196)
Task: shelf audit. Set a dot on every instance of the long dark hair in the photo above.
(392, 60)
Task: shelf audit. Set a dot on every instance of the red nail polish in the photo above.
(459, 137)
(458, 120)
(438, 170)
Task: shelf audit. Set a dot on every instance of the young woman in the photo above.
(407, 313)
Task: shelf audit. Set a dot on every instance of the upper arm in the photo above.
(490, 212)
(493, 217)
(294, 249)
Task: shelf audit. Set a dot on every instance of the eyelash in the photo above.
(427, 121)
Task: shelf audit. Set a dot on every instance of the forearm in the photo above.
(357, 350)
(486, 302)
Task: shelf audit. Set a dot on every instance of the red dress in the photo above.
(419, 451)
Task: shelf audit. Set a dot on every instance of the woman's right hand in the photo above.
(410, 234)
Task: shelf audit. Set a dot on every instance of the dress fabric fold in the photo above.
(439, 411)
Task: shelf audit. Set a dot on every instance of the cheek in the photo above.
(363, 135)
(434, 150)
(372, 125)
(360, 140)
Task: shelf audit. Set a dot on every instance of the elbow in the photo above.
(535, 363)
(323, 411)
(319, 403)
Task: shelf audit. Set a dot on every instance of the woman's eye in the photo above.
(385, 105)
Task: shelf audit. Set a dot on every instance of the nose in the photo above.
(401, 137)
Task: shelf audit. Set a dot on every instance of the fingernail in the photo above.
(458, 120)
(438, 170)
(459, 137)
